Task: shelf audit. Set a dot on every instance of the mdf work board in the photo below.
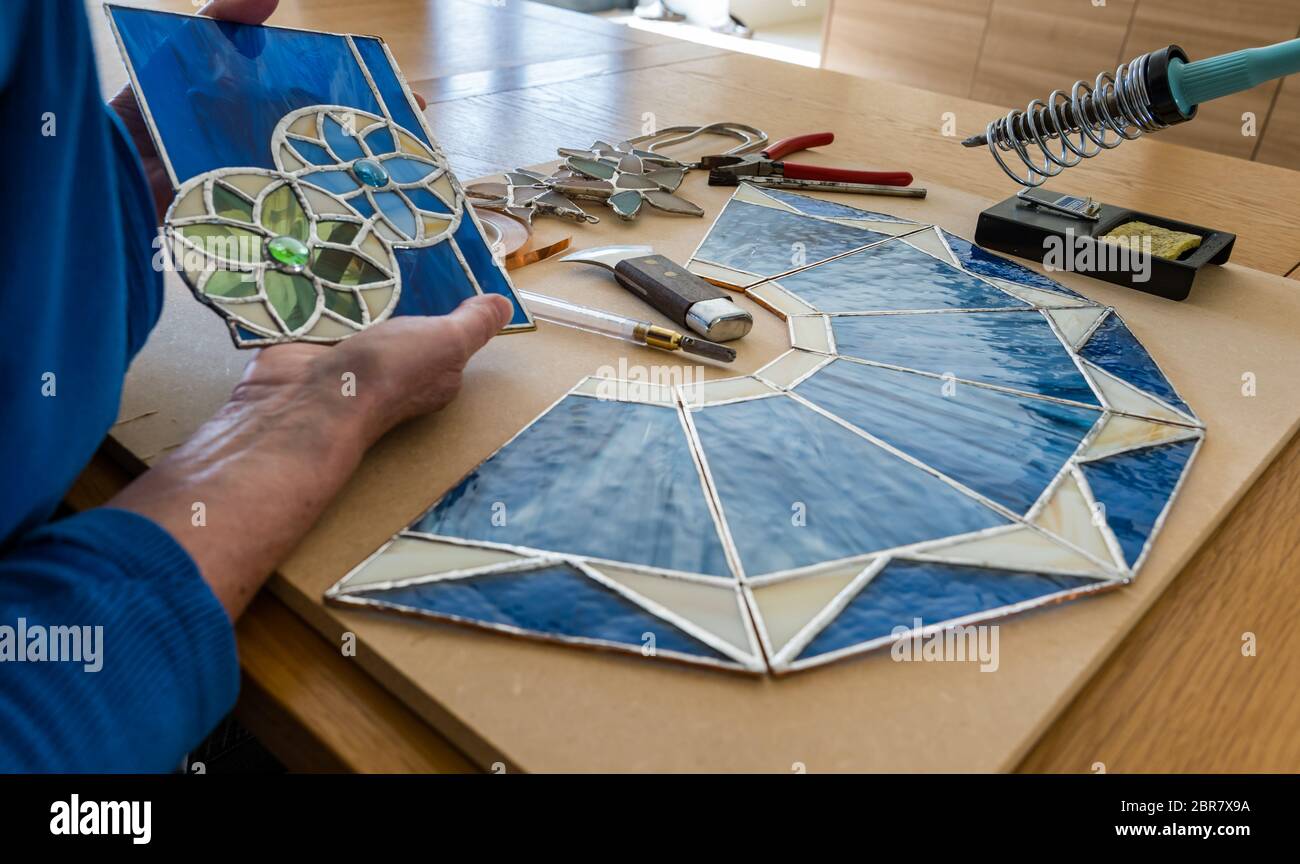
(542, 707)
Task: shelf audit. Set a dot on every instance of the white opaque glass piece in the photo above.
(931, 243)
(1017, 548)
(1039, 297)
(774, 297)
(410, 557)
(191, 205)
(751, 195)
(252, 313)
(304, 126)
(327, 328)
(788, 606)
(1068, 516)
(724, 390)
(1123, 397)
(325, 205)
(811, 333)
(1076, 323)
(1122, 433)
(712, 608)
(790, 367)
(250, 184)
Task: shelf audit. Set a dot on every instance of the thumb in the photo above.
(240, 11)
(479, 319)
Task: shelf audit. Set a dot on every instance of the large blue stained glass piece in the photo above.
(405, 170)
(976, 260)
(339, 181)
(397, 211)
(768, 241)
(380, 140)
(1114, 348)
(217, 90)
(399, 107)
(1004, 446)
(822, 207)
(344, 145)
(433, 280)
(906, 590)
(892, 277)
(312, 153)
(490, 277)
(1012, 349)
(593, 477)
(426, 200)
(555, 601)
(773, 460)
(361, 204)
(1135, 488)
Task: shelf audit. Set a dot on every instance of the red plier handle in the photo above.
(794, 171)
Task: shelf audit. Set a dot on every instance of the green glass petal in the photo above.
(230, 205)
(592, 168)
(230, 283)
(293, 296)
(282, 214)
(626, 204)
(343, 303)
(337, 232)
(228, 242)
(344, 268)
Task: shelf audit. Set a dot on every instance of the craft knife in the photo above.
(672, 289)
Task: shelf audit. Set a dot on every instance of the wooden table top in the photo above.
(508, 83)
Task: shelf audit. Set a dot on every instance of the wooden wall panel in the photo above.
(932, 44)
(1205, 28)
(1032, 47)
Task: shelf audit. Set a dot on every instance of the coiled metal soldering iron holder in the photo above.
(1024, 229)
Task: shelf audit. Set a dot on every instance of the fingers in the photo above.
(420, 101)
(240, 11)
(479, 319)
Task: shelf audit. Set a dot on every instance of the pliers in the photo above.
(727, 170)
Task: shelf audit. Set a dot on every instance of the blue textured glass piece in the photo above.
(763, 240)
(247, 335)
(406, 170)
(489, 275)
(591, 477)
(399, 107)
(1135, 488)
(892, 277)
(339, 181)
(1012, 349)
(362, 205)
(344, 145)
(216, 90)
(426, 200)
(396, 210)
(907, 590)
(312, 153)
(438, 279)
(976, 260)
(554, 601)
(370, 173)
(1114, 348)
(774, 459)
(821, 207)
(1001, 445)
(380, 140)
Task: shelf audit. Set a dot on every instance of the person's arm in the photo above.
(261, 471)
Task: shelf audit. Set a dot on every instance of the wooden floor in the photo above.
(509, 82)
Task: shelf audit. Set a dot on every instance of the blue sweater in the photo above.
(78, 297)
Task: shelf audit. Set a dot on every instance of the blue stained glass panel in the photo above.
(556, 601)
(1114, 348)
(442, 280)
(345, 146)
(404, 170)
(425, 200)
(1012, 349)
(976, 260)
(491, 279)
(1001, 445)
(822, 207)
(591, 477)
(773, 459)
(332, 181)
(395, 209)
(216, 90)
(380, 140)
(313, 153)
(390, 90)
(906, 590)
(762, 240)
(1134, 488)
(893, 277)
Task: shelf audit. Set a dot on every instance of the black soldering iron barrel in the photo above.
(1159, 102)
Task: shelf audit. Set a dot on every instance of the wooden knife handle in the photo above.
(665, 285)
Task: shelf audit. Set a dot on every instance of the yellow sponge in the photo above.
(1164, 242)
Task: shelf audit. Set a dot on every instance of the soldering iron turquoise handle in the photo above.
(1214, 77)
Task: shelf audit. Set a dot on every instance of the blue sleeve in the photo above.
(114, 653)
